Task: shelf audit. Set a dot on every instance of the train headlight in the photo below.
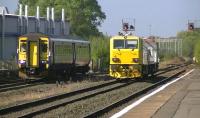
(116, 60)
(22, 61)
(44, 61)
(136, 60)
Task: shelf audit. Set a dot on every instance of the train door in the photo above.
(33, 54)
(44, 52)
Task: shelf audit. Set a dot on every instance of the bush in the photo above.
(100, 52)
(190, 39)
(197, 51)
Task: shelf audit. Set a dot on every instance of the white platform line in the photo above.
(134, 104)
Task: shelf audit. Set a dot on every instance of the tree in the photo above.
(190, 42)
(84, 15)
(100, 47)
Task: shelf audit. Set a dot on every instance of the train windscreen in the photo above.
(131, 44)
(118, 44)
(125, 44)
(43, 47)
(22, 46)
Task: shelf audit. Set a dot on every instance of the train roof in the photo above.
(127, 37)
(35, 36)
(69, 40)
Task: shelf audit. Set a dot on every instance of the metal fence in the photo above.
(100, 65)
(8, 67)
(170, 46)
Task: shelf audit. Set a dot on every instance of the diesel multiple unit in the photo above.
(42, 55)
(132, 57)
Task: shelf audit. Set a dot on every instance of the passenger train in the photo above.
(40, 55)
(132, 57)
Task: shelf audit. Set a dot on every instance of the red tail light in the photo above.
(136, 60)
(116, 60)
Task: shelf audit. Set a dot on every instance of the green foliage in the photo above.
(190, 39)
(168, 50)
(166, 56)
(197, 51)
(84, 15)
(100, 50)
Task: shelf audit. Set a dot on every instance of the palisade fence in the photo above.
(100, 65)
(8, 67)
(170, 47)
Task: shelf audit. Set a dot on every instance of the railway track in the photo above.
(170, 68)
(20, 84)
(9, 81)
(44, 105)
(25, 106)
(112, 106)
(13, 85)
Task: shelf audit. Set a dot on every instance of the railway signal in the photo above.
(190, 26)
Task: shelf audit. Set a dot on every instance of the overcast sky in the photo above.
(156, 17)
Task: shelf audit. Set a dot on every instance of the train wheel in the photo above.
(145, 76)
(68, 77)
(52, 75)
(152, 75)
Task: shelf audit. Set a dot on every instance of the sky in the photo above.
(162, 18)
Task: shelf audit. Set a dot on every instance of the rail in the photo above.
(63, 99)
(108, 108)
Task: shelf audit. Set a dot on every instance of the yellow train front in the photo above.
(132, 57)
(33, 55)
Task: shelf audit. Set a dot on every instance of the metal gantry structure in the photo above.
(12, 26)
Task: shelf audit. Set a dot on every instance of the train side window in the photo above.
(118, 44)
(131, 44)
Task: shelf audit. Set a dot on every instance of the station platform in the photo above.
(180, 99)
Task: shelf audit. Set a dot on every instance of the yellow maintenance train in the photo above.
(40, 55)
(132, 57)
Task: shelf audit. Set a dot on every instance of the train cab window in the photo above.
(131, 44)
(118, 44)
(22, 47)
(43, 47)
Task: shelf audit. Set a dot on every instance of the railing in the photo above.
(8, 67)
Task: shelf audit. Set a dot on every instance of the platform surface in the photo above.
(179, 100)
